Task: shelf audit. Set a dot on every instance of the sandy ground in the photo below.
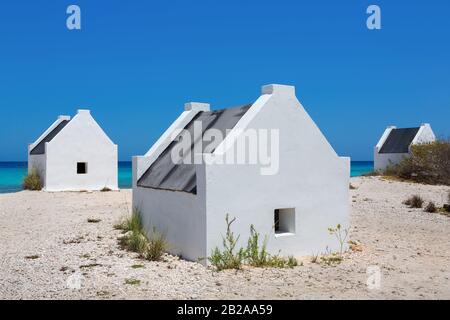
(48, 249)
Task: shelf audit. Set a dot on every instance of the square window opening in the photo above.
(81, 167)
(284, 220)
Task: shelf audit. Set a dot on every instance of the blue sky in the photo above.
(135, 63)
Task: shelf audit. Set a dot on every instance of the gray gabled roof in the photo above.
(399, 140)
(40, 148)
(167, 175)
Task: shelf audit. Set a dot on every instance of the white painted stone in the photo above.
(81, 140)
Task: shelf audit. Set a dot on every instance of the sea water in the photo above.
(12, 174)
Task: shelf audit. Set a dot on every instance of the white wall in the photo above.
(312, 179)
(425, 134)
(180, 216)
(38, 162)
(81, 140)
(383, 160)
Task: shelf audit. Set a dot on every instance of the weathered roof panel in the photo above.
(399, 140)
(40, 148)
(167, 175)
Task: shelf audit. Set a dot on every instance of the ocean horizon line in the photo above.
(12, 173)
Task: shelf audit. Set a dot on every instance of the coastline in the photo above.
(13, 172)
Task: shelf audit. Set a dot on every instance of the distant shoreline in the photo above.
(13, 172)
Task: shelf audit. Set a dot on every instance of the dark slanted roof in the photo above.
(399, 140)
(167, 175)
(40, 148)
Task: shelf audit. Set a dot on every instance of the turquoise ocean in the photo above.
(12, 174)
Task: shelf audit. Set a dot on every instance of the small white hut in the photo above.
(292, 196)
(395, 144)
(74, 154)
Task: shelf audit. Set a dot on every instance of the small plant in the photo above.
(133, 282)
(93, 220)
(156, 246)
(315, 258)
(255, 256)
(260, 258)
(33, 257)
(132, 223)
(136, 240)
(415, 201)
(230, 258)
(332, 258)
(137, 266)
(341, 235)
(447, 206)
(32, 181)
(431, 207)
(105, 189)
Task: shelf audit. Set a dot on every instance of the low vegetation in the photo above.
(135, 239)
(32, 181)
(132, 282)
(255, 255)
(230, 257)
(415, 201)
(33, 257)
(105, 189)
(341, 235)
(447, 206)
(431, 207)
(428, 163)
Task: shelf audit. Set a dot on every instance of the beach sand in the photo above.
(46, 240)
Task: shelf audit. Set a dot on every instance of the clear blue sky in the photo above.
(135, 63)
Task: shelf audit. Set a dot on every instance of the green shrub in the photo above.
(230, 258)
(157, 245)
(32, 181)
(255, 255)
(132, 223)
(134, 241)
(260, 258)
(331, 258)
(427, 163)
(341, 236)
(135, 238)
(415, 201)
(431, 208)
